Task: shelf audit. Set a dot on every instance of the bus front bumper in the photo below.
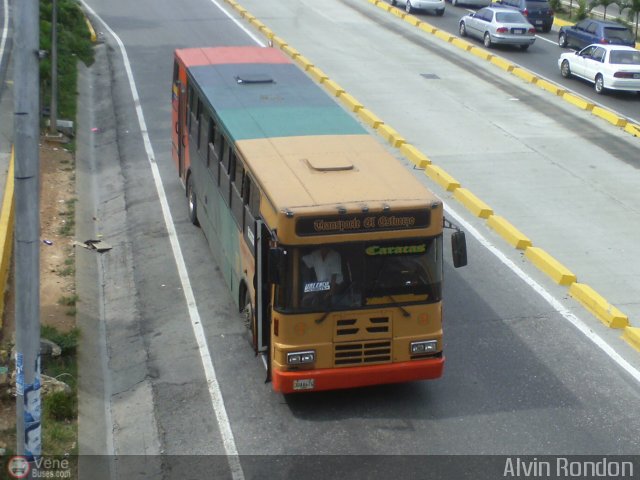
(351, 377)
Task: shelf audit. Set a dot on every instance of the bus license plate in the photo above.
(304, 384)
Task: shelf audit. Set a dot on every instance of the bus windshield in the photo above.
(359, 275)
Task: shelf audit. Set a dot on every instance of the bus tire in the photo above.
(193, 202)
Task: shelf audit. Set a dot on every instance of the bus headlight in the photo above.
(299, 358)
(425, 346)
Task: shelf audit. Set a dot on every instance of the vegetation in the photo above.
(74, 43)
(632, 8)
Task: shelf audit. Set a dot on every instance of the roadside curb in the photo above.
(6, 235)
(547, 264)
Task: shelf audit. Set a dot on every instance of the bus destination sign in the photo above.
(362, 222)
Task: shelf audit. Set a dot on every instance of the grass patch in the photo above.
(68, 217)
(69, 301)
(66, 341)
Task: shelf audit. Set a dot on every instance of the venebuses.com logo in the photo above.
(19, 467)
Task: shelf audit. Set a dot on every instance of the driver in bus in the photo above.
(327, 266)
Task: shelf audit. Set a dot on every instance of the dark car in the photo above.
(538, 12)
(590, 31)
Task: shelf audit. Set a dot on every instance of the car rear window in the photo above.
(509, 17)
(618, 34)
(621, 57)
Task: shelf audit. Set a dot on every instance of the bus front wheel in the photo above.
(193, 202)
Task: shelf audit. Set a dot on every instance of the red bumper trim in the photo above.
(351, 377)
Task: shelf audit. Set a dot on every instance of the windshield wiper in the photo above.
(405, 312)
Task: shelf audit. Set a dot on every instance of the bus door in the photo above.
(179, 119)
(263, 290)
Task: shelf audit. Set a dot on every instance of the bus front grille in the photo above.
(362, 353)
(363, 328)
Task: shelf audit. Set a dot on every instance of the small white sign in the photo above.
(317, 287)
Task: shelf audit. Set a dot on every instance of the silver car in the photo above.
(410, 6)
(498, 25)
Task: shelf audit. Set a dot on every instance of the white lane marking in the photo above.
(550, 299)
(212, 381)
(242, 27)
(5, 28)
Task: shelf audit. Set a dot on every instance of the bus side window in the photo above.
(212, 156)
(190, 104)
(202, 137)
(237, 205)
(196, 126)
(225, 174)
(249, 191)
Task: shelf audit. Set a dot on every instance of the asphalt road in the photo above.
(542, 58)
(520, 378)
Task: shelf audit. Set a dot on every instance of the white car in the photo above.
(410, 6)
(613, 67)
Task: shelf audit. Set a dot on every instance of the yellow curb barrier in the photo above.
(596, 304)
(507, 231)
(375, 2)
(6, 234)
(461, 44)
(370, 118)
(633, 129)
(384, 6)
(631, 335)
(317, 74)
(472, 203)
(503, 63)
(610, 117)
(390, 135)
(241, 10)
(414, 155)
(397, 12)
(550, 87)
(427, 28)
(257, 23)
(549, 265)
(335, 89)
(482, 53)
(578, 101)
(94, 39)
(290, 51)
(524, 74)
(278, 42)
(350, 102)
(446, 36)
(303, 62)
(412, 20)
(441, 177)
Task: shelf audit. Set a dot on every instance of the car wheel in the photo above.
(487, 40)
(562, 40)
(524, 47)
(408, 7)
(440, 12)
(193, 202)
(462, 29)
(394, 2)
(599, 85)
(454, 2)
(565, 69)
(546, 29)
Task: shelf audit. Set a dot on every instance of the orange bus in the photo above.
(332, 250)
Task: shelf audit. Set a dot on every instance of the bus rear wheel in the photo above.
(193, 202)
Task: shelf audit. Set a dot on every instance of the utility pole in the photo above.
(53, 112)
(27, 227)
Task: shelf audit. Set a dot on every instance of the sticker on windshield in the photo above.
(317, 287)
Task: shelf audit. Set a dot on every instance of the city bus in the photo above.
(331, 248)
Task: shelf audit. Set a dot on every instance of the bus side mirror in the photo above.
(276, 264)
(459, 249)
